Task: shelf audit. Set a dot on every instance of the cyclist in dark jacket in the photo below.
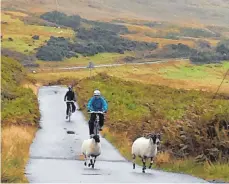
(70, 96)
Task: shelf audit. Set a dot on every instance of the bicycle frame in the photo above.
(96, 122)
(70, 110)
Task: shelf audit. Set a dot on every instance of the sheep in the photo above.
(91, 148)
(145, 148)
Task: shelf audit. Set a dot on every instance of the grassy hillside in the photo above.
(192, 125)
(54, 37)
(177, 74)
(20, 116)
(198, 11)
(22, 33)
(167, 97)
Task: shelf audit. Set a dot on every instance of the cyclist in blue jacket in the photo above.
(96, 103)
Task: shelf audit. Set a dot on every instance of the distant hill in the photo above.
(188, 11)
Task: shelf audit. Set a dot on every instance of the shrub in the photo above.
(62, 19)
(209, 55)
(173, 51)
(56, 49)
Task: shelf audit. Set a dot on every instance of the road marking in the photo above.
(72, 158)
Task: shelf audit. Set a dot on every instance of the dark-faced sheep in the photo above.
(145, 147)
(91, 148)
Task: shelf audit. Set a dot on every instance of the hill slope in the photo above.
(198, 11)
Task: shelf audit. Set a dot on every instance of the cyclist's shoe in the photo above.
(100, 128)
(91, 136)
(66, 116)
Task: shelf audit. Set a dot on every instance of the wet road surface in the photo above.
(55, 154)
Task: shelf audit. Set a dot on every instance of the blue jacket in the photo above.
(97, 104)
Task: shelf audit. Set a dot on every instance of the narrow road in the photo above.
(54, 154)
(115, 64)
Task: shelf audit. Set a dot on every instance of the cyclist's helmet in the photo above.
(70, 87)
(97, 93)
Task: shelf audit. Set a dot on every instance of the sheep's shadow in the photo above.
(91, 169)
(140, 173)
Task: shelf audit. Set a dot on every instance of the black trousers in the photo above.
(68, 106)
(92, 120)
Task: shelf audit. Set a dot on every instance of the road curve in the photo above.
(54, 154)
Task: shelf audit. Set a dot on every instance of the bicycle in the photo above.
(70, 110)
(96, 132)
(96, 122)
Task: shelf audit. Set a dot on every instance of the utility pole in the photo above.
(90, 66)
(227, 72)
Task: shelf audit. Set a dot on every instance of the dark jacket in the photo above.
(70, 95)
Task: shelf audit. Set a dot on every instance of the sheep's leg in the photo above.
(151, 162)
(134, 157)
(144, 164)
(91, 162)
(85, 160)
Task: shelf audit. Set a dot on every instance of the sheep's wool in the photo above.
(142, 147)
(90, 147)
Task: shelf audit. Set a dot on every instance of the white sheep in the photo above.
(145, 148)
(91, 148)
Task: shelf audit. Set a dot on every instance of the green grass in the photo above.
(101, 58)
(136, 108)
(207, 171)
(209, 72)
(19, 105)
(22, 44)
(22, 34)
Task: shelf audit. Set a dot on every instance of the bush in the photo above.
(62, 19)
(108, 26)
(173, 51)
(223, 48)
(204, 57)
(93, 41)
(203, 45)
(102, 37)
(57, 49)
(208, 55)
(111, 41)
(75, 21)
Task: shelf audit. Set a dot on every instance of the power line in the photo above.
(227, 72)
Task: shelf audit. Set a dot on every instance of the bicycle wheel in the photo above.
(69, 114)
(96, 125)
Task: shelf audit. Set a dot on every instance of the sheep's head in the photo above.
(156, 138)
(96, 138)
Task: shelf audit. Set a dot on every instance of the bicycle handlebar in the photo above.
(69, 101)
(97, 112)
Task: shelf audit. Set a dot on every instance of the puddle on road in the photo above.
(70, 132)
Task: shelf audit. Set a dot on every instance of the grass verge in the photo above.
(20, 115)
(16, 142)
(189, 121)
